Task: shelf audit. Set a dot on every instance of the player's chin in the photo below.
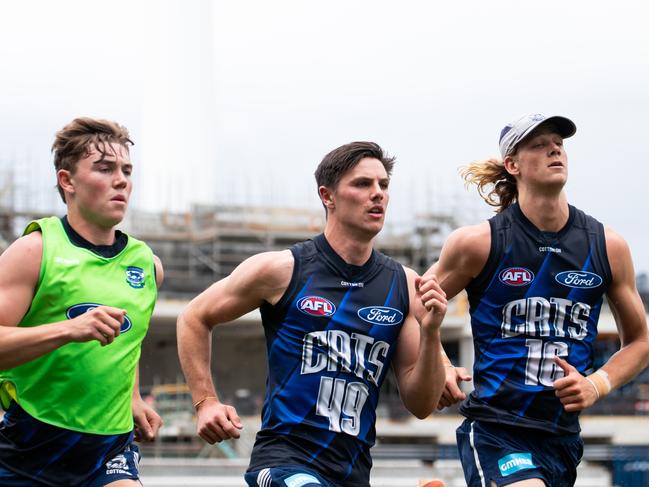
(116, 217)
(375, 226)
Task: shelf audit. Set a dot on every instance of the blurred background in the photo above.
(232, 104)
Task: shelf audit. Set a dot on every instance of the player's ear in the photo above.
(511, 165)
(64, 178)
(327, 197)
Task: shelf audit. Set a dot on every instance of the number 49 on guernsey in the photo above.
(342, 403)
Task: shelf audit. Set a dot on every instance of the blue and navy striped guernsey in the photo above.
(330, 341)
(539, 296)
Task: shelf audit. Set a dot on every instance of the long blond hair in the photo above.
(495, 185)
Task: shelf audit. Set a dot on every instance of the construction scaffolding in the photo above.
(206, 244)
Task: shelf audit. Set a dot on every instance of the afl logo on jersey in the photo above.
(381, 315)
(316, 306)
(516, 276)
(578, 279)
(79, 309)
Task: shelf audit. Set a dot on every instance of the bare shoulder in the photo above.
(619, 254)
(159, 271)
(20, 267)
(472, 238)
(24, 254)
(469, 246)
(615, 243)
(272, 266)
(269, 272)
(411, 274)
(411, 279)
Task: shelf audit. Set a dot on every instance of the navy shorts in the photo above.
(285, 476)
(506, 454)
(33, 453)
(121, 467)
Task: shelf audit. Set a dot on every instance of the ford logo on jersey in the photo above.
(578, 279)
(516, 276)
(381, 315)
(79, 309)
(316, 306)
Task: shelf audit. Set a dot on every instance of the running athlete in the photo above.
(336, 315)
(76, 296)
(535, 275)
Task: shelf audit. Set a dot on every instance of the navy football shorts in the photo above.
(35, 454)
(285, 476)
(506, 454)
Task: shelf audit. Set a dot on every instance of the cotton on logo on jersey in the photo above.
(316, 306)
(516, 276)
(79, 309)
(578, 279)
(380, 315)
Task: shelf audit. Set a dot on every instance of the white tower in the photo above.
(177, 139)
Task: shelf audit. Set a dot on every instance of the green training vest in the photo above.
(83, 386)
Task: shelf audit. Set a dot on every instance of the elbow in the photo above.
(423, 413)
(420, 409)
(187, 319)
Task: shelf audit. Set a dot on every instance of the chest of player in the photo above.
(547, 286)
(344, 326)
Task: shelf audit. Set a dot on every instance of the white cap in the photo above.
(517, 130)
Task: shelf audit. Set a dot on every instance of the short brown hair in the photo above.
(74, 140)
(335, 164)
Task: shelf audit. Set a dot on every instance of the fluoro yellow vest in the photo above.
(83, 386)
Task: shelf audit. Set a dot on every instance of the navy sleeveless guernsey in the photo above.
(539, 296)
(330, 341)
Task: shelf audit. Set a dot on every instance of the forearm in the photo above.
(423, 384)
(627, 363)
(194, 351)
(20, 345)
(136, 384)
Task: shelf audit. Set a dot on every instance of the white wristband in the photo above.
(607, 381)
(594, 386)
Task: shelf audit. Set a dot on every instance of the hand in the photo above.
(217, 421)
(573, 390)
(147, 421)
(433, 298)
(101, 323)
(452, 392)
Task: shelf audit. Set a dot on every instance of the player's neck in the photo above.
(92, 232)
(548, 213)
(352, 249)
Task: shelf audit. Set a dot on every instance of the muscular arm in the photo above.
(418, 361)
(574, 390)
(263, 277)
(19, 270)
(462, 258)
(629, 314)
(146, 420)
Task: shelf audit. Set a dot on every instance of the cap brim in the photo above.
(566, 127)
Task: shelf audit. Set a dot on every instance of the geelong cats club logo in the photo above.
(135, 277)
(516, 276)
(316, 306)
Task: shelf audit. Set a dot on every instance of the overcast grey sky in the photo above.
(238, 101)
